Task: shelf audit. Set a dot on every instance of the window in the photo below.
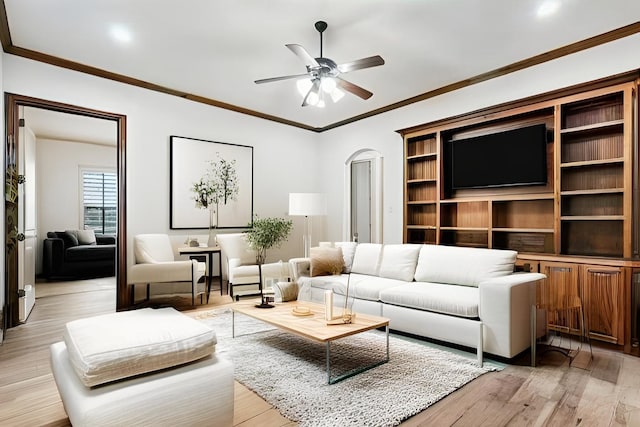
(99, 201)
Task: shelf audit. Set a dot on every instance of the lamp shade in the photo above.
(307, 204)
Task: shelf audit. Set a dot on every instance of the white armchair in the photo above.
(239, 266)
(155, 263)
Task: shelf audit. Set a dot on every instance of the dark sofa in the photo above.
(65, 257)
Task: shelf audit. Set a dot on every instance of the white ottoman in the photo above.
(142, 367)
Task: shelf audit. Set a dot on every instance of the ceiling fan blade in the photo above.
(276, 79)
(314, 89)
(358, 64)
(302, 53)
(354, 89)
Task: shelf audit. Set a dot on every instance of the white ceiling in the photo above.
(217, 48)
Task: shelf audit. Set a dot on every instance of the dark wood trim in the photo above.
(12, 104)
(5, 35)
(87, 69)
(7, 44)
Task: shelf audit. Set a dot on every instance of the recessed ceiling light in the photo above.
(120, 33)
(547, 8)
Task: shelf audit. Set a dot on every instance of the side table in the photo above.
(208, 251)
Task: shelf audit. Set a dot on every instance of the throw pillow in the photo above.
(69, 238)
(86, 237)
(326, 261)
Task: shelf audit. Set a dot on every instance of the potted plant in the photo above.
(266, 233)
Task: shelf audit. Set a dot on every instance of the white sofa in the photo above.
(464, 296)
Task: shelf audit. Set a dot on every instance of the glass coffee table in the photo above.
(314, 327)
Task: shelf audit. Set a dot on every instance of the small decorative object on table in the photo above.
(348, 316)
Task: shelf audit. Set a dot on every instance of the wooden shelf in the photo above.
(464, 228)
(589, 192)
(596, 126)
(421, 156)
(592, 218)
(421, 202)
(420, 181)
(592, 163)
(421, 227)
(523, 230)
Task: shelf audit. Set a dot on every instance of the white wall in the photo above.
(378, 132)
(280, 152)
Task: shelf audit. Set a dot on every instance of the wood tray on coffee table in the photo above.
(314, 327)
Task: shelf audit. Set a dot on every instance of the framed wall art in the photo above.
(205, 172)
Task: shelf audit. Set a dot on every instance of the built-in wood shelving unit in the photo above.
(580, 222)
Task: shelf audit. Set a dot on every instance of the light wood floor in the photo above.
(607, 393)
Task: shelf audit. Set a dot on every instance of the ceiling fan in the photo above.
(323, 74)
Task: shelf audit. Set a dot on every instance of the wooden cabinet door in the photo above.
(561, 282)
(602, 290)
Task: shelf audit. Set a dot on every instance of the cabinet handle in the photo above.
(602, 271)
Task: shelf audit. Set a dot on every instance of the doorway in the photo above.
(361, 201)
(363, 197)
(13, 106)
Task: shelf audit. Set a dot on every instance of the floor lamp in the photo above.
(307, 205)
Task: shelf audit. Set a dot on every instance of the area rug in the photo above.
(289, 372)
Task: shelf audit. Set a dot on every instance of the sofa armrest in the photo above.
(299, 267)
(105, 239)
(504, 307)
(172, 271)
(52, 255)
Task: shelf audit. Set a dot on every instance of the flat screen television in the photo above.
(508, 158)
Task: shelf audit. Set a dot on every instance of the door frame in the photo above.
(13, 102)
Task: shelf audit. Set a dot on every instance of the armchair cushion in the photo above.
(174, 271)
(152, 248)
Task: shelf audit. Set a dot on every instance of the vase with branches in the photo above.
(219, 185)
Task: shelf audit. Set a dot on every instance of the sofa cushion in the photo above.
(368, 287)
(326, 261)
(454, 300)
(90, 253)
(337, 284)
(120, 345)
(399, 261)
(462, 266)
(366, 259)
(348, 251)
(86, 237)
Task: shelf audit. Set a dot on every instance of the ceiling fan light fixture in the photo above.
(313, 98)
(336, 95)
(328, 84)
(303, 85)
